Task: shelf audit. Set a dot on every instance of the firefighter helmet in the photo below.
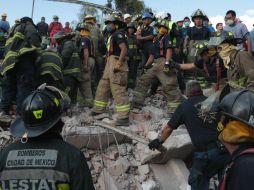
(223, 37)
(198, 13)
(239, 105)
(83, 26)
(41, 110)
(163, 23)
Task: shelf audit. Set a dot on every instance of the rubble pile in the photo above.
(118, 162)
(5, 138)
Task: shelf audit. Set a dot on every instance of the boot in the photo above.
(122, 122)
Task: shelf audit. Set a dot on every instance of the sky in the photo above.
(215, 9)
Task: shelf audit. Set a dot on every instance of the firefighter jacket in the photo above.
(46, 163)
(71, 60)
(241, 69)
(22, 42)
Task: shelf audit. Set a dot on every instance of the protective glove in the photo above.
(155, 144)
(167, 68)
(175, 65)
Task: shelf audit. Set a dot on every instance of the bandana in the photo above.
(236, 132)
(225, 53)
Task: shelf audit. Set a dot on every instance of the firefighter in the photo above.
(87, 53)
(236, 132)
(115, 77)
(208, 158)
(161, 70)
(71, 63)
(145, 36)
(100, 50)
(210, 65)
(18, 67)
(133, 54)
(195, 35)
(41, 159)
(215, 73)
(239, 64)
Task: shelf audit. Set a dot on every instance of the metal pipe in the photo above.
(33, 9)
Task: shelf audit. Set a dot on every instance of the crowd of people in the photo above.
(144, 52)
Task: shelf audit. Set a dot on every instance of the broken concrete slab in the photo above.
(143, 169)
(121, 166)
(106, 181)
(172, 175)
(92, 137)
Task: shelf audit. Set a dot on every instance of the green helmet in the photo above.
(223, 37)
(163, 23)
(83, 26)
(111, 18)
(41, 110)
(137, 17)
(198, 13)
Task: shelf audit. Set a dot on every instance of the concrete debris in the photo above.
(119, 163)
(173, 174)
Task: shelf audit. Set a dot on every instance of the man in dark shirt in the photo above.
(42, 27)
(194, 34)
(236, 132)
(208, 158)
(145, 37)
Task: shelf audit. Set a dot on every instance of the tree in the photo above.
(130, 6)
(86, 10)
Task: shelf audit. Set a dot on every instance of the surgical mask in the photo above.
(162, 31)
(229, 22)
(205, 23)
(110, 29)
(1, 34)
(186, 24)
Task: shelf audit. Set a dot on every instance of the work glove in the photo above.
(155, 144)
(167, 68)
(175, 65)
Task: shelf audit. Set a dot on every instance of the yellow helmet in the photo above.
(4, 14)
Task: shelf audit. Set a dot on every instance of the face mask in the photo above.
(229, 22)
(1, 34)
(186, 24)
(84, 33)
(205, 23)
(110, 29)
(42, 21)
(162, 30)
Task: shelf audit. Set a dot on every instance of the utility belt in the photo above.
(205, 153)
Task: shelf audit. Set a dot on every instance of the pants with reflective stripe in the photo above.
(115, 83)
(168, 81)
(85, 87)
